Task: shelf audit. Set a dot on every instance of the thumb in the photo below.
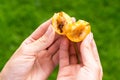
(46, 40)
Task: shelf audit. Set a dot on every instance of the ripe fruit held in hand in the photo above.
(64, 25)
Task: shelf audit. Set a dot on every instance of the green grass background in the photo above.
(19, 18)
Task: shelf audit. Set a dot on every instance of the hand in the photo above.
(36, 58)
(89, 67)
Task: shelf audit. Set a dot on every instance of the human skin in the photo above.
(89, 67)
(36, 57)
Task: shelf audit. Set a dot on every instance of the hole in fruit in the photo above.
(60, 26)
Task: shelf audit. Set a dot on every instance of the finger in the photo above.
(55, 58)
(54, 48)
(73, 54)
(96, 56)
(95, 51)
(57, 36)
(79, 53)
(63, 53)
(40, 30)
(46, 40)
(86, 52)
(73, 19)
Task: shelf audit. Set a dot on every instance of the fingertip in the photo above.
(63, 52)
(73, 19)
(88, 39)
(64, 41)
(50, 32)
(46, 39)
(86, 50)
(40, 31)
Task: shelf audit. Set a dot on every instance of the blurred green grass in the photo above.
(19, 18)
